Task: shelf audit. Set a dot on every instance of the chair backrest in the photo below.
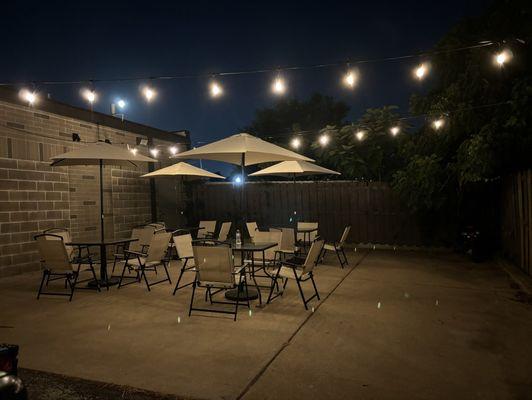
(214, 264)
(144, 235)
(224, 231)
(345, 234)
(208, 226)
(307, 225)
(183, 245)
(65, 235)
(158, 246)
(53, 252)
(287, 240)
(313, 256)
(252, 228)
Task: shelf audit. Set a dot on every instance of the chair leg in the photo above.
(237, 301)
(122, 275)
(337, 251)
(73, 284)
(143, 274)
(179, 279)
(94, 276)
(192, 297)
(167, 274)
(346, 262)
(314, 284)
(301, 292)
(45, 275)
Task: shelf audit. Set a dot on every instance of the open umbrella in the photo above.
(100, 153)
(294, 168)
(242, 149)
(184, 170)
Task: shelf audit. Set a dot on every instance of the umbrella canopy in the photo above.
(292, 168)
(93, 153)
(242, 147)
(186, 171)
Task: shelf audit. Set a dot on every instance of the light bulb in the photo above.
(350, 79)
(121, 103)
(438, 123)
(215, 89)
(394, 130)
(503, 57)
(154, 152)
(295, 143)
(360, 135)
(324, 139)
(421, 71)
(148, 93)
(134, 150)
(173, 150)
(279, 86)
(30, 97)
(89, 95)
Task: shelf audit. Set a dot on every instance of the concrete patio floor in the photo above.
(395, 324)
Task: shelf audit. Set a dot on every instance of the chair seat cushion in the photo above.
(287, 272)
(135, 264)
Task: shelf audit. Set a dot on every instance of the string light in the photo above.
(324, 139)
(148, 93)
(295, 143)
(173, 150)
(421, 71)
(350, 79)
(30, 97)
(215, 89)
(360, 135)
(394, 130)
(89, 95)
(437, 124)
(154, 152)
(279, 86)
(503, 57)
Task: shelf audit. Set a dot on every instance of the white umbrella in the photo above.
(100, 153)
(242, 149)
(185, 171)
(293, 169)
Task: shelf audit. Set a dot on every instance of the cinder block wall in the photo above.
(35, 196)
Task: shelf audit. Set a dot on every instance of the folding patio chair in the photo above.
(287, 247)
(215, 270)
(252, 228)
(209, 229)
(57, 265)
(75, 256)
(143, 234)
(183, 245)
(140, 262)
(300, 272)
(338, 247)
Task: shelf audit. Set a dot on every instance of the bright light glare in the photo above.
(237, 179)
(121, 103)
(154, 152)
(438, 123)
(148, 93)
(215, 89)
(89, 95)
(394, 130)
(295, 143)
(279, 86)
(360, 135)
(421, 71)
(134, 150)
(324, 139)
(350, 79)
(503, 57)
(28, 96)
(173, 150)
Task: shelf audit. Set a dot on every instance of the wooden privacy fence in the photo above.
(516, 219)
(372, 209)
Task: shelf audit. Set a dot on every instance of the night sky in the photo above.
(53, 41)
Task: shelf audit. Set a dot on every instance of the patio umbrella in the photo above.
(184, 170)
(294, 168)
(100, 153)
(242, 149)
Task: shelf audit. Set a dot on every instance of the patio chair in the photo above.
(252, 228)
(300, 272)
(287, 247)
(143, 234)
(338, 247)
(140, 262)
(216, 271)
(183, 245)
(209, 229)
(224, 231)
(75, 256)
(305, 238)
(57, 265)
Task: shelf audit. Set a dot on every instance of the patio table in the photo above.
(104, 279)
(248, 248)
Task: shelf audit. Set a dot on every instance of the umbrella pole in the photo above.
(242, 193)
(295, 199)
(103, 255)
